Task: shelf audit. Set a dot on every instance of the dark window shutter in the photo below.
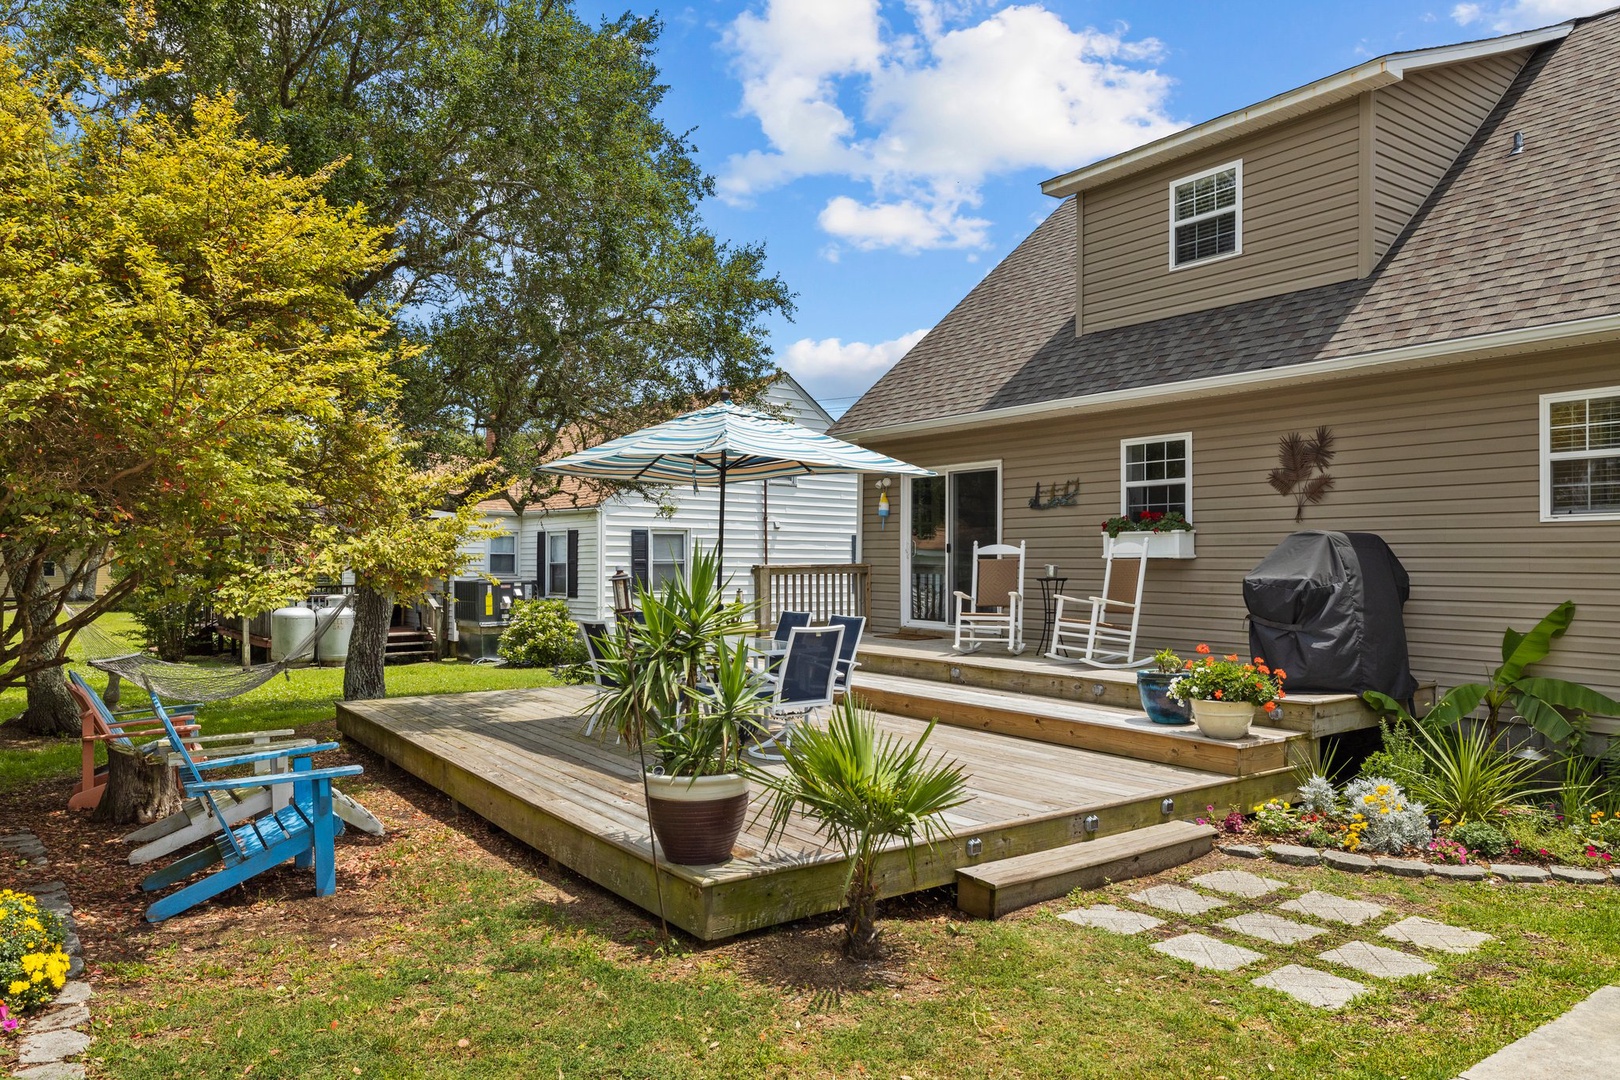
(540, 572)
(640, 547)
(573, 564)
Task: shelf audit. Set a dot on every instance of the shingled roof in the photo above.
(1505, 242)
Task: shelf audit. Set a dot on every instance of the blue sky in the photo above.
(889, 152)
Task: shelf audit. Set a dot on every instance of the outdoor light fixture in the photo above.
(1090, 823)
(1168, 806)
(975, 846)
(621, 592)
(882, 486)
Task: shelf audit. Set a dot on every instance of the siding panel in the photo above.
(1300, 202)
(1442, 463)
(1421, 124)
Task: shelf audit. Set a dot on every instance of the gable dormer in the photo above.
(1305, 189)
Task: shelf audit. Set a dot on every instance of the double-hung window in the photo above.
(1156, 476)
(668, 557)
(1206, 215)
(503, 554)
(556, 564)
(1580, 455)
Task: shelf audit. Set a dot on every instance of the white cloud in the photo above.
(1504, 18)
(921, 119)
(906, 225)
(836, 373)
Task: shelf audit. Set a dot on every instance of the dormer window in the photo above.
(1206, 215)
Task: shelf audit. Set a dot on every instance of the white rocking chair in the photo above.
(1106, 636)
(994, 611)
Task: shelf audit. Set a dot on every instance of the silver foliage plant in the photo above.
(1316, 796)
(1394, 821)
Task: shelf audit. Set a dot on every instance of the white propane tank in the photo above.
(334, 642)
(289, 627)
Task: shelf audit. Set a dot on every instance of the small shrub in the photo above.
(1382, 818)
(1400, 757)
(33, 966)
(540, 633)
(1316, 796)
(1482, 839)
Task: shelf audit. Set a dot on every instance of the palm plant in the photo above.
(677, 683)
(864, 791)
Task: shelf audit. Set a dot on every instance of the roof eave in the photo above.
(1601, 328)
(1286, 106)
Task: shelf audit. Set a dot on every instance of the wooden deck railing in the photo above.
(822, 589)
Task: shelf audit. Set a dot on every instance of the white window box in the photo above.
(1163, 545)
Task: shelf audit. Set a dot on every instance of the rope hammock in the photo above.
(193, 682)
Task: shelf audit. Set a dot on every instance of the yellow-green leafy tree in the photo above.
(183, 372)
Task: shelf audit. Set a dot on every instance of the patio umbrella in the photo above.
(723, 443)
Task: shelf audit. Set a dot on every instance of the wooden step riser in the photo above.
(1311, 718)
(987, 901)
(1143, 745)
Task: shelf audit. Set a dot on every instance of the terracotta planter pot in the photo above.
(1154, 689)
(1223, 719)
(697, 820)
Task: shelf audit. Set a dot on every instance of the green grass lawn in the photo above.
(301, 696)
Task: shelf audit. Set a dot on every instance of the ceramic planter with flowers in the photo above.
(1153, 687)
(1224, 693)
(1166, 536)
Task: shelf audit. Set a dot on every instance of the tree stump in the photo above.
(138, 791)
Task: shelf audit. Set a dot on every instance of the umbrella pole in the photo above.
(720, 540)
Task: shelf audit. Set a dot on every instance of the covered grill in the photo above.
(1326, 608)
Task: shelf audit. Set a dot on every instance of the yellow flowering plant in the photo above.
(33, 966)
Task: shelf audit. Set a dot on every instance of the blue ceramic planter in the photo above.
(1154, 689)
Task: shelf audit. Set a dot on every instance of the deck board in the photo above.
(520, 759)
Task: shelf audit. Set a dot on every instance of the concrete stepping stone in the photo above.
(73, 993)
(1428, 934)
(1517, 872)
(1377, 961)
(1319, 989)
(1404, 867)
(1272, 928)
(1339, 909)
(1459, 873)
(1347, 860)
(1294, 855)
(1176, 899)
(1577, 875)
(1113, 919)
(63, 1016)
(1244, 851)
(1239, 883)
(1574, 1045)
(56, 1070)
(1204, 951)
(51, 1046)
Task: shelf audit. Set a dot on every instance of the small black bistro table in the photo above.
(1050, 588)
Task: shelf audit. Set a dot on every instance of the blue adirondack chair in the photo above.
(303, 830)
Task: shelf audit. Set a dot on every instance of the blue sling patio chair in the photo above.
(303, 830)
(854, 626)
(800, 684)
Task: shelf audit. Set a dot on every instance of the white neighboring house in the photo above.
(570, 552)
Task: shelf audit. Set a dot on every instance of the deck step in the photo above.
(990, 890)
(993, 669)
(1103, 728)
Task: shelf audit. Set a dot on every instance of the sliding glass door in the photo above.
(945, 516)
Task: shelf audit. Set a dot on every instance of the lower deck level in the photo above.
(520, 759)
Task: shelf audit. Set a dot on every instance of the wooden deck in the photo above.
(993, 668)
(518, 758)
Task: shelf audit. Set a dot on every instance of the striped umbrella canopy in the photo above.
(723, 443)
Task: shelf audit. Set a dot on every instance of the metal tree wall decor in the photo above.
(1302, 464)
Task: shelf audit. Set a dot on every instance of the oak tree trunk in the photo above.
(50, 710)
(138, 792)
(363, 671)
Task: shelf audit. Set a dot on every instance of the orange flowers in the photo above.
(1270, 706)
(1203, 648)
(1231, 658)
(1219, 694)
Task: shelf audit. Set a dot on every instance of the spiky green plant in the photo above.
(1467, 778)
(864, 791)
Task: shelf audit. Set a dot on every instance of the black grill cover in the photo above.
(1326, 608)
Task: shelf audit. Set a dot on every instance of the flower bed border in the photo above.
(1517, 873)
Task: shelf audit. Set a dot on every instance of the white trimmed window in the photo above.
(1206, 215)
(1580, 455)
(1156, 476)
(503, 554)
(556, 564)
(668, 557)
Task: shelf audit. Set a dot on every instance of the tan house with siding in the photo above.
(1422, 252)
